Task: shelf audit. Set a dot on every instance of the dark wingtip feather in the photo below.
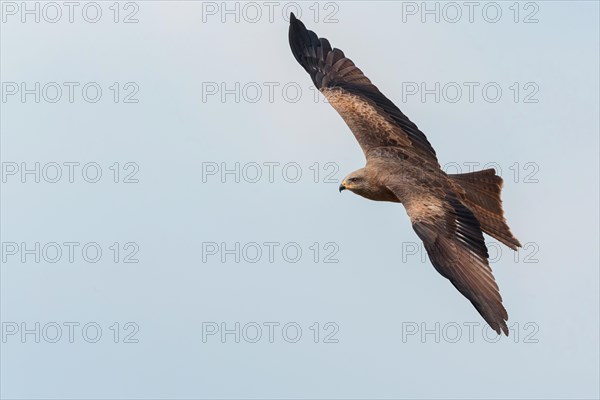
(304, 45)
(497, 324)
(298, 38)
(500, 328)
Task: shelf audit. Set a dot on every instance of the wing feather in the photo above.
(454, 242)
(343, 83)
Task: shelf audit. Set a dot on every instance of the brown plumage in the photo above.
(448, 212)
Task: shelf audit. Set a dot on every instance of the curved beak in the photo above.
(342, 187)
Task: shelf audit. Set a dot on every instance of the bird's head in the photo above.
(355, 182)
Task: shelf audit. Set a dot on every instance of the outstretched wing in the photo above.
(454, 242)
(372, 117)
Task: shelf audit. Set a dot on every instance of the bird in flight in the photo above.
(448, 212)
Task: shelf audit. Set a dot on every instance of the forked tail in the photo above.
(481, 194)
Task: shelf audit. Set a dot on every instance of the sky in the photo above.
(172, 226)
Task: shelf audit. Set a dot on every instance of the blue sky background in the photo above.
(544, 144)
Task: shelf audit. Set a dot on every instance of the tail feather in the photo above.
(480, 192)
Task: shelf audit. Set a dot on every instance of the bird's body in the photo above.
(448, 212)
